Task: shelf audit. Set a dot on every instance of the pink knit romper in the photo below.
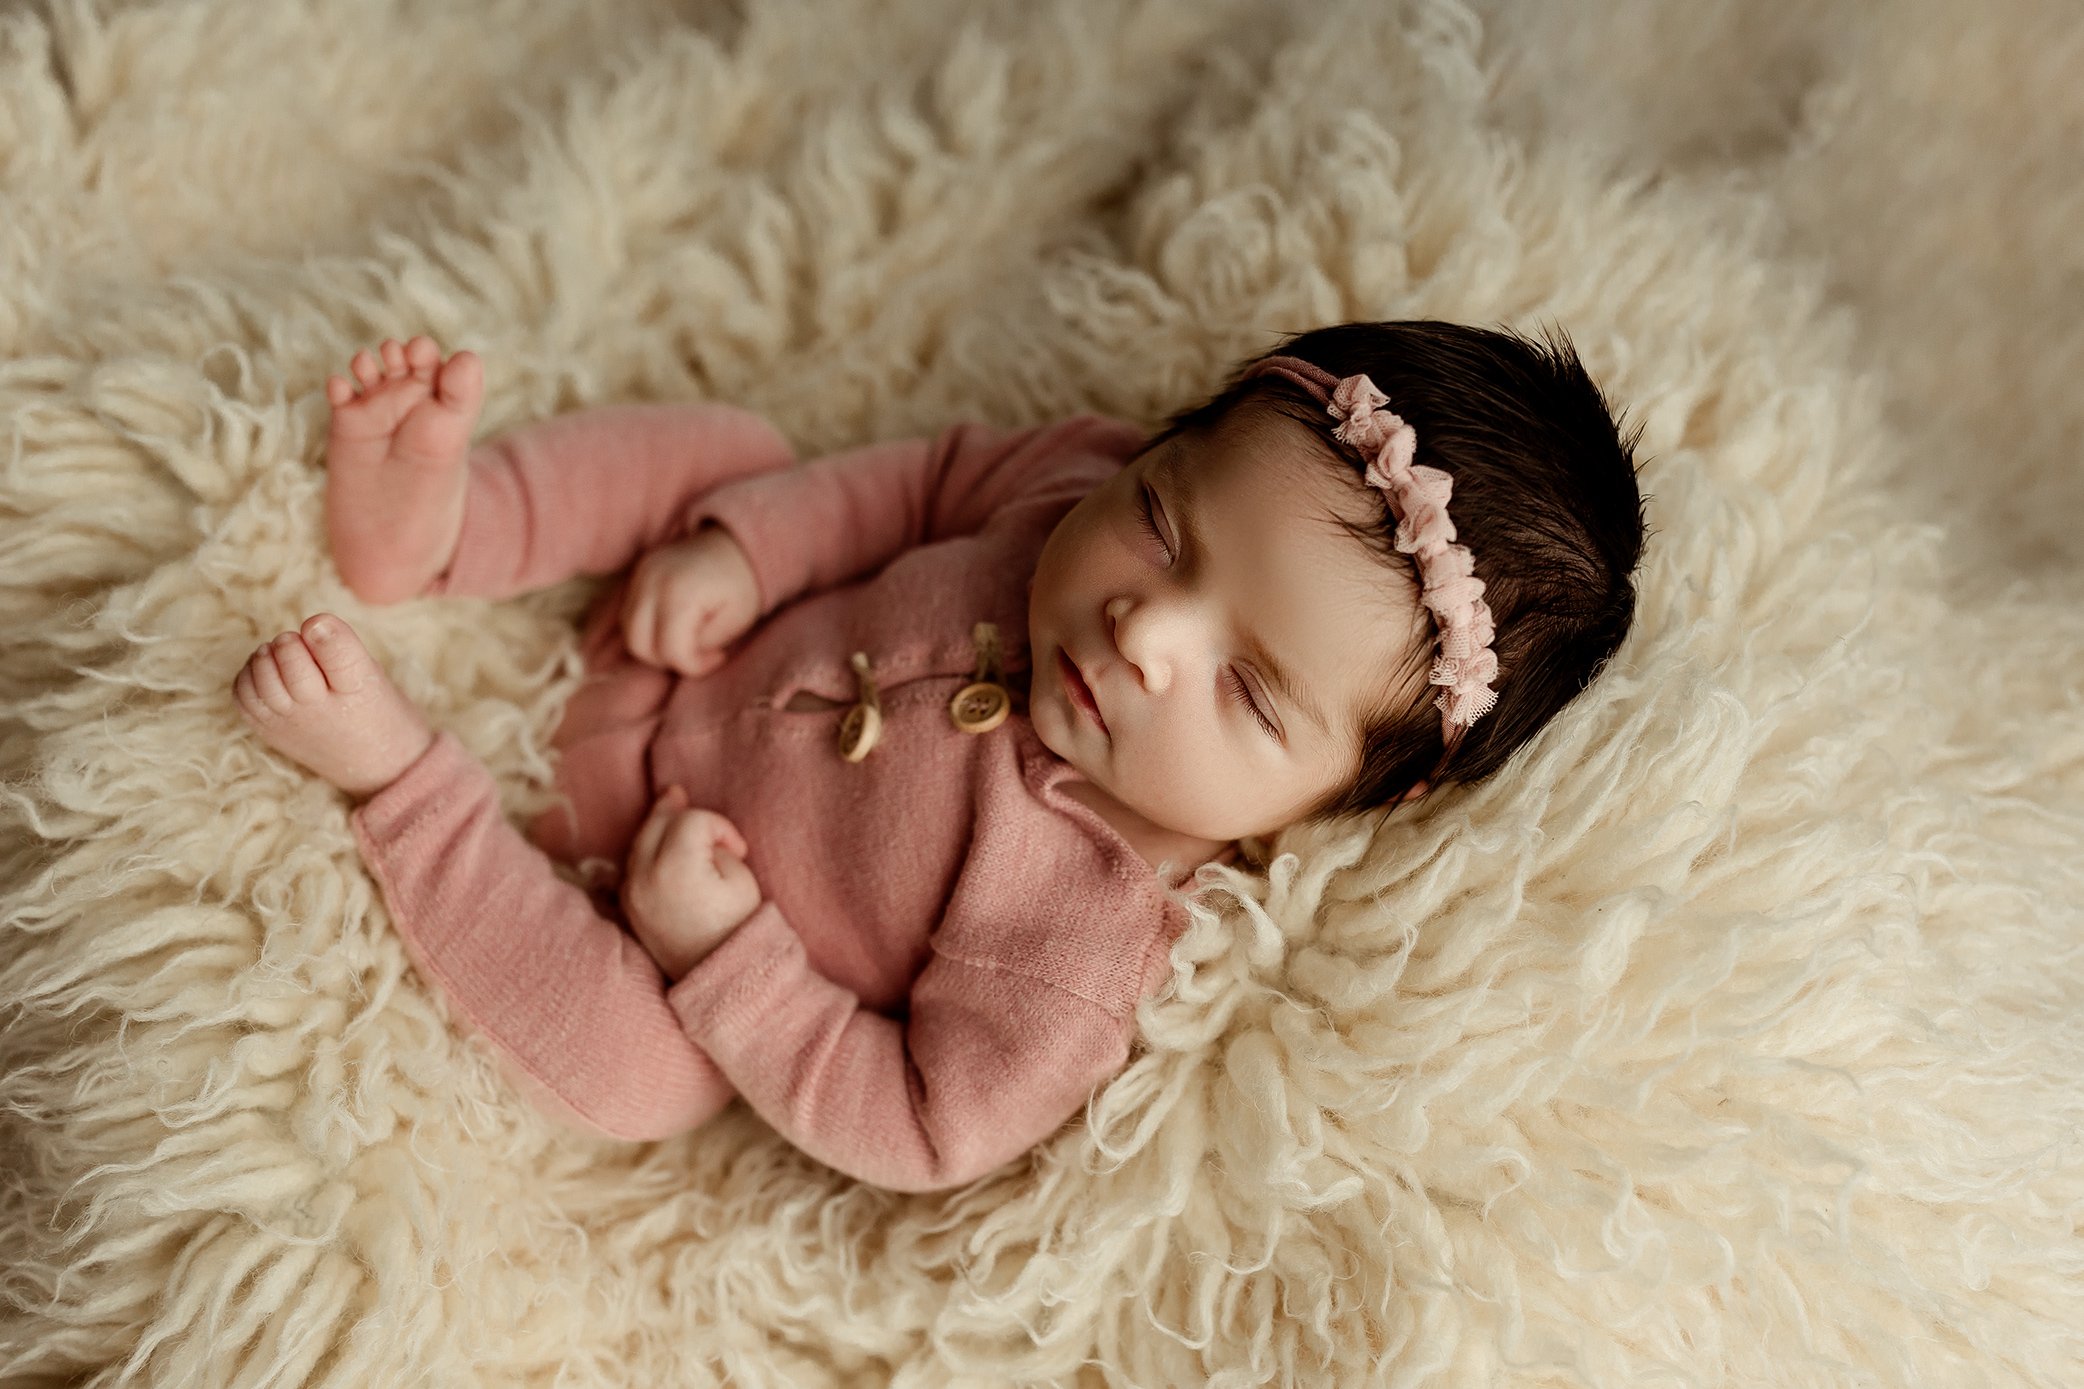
(950, 950)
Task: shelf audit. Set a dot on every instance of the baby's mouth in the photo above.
(1081, 693)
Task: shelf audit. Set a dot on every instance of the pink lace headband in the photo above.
(1417, 496)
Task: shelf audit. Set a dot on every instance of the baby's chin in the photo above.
(1153, 807)
(1128, 793)
(1074, 751)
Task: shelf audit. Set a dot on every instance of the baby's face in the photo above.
(1178, 634)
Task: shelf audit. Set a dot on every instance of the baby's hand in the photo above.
(686, 887)
(688, 600)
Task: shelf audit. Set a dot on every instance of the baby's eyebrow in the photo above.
(1283, 680)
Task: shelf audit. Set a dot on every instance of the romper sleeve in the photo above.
(997, 1049)
(846, 515)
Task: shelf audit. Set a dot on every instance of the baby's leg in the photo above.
(565, 995)
(412, 508)
(395, 473)
(317, 697)
(570, 1001)
(589, 491)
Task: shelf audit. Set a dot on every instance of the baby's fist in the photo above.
(686, 886)
(688, 600)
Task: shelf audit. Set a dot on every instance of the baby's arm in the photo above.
(988, 1063)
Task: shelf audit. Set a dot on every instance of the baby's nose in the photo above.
(1143, 639)
(1152, 674)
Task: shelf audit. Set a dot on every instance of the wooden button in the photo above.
(863, 723)
(859, 730)
(980, 706)
(983, 704)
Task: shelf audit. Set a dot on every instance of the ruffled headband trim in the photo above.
(1465, 664)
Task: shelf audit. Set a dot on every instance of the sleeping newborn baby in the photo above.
(889, 766)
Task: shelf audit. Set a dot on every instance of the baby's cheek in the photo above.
(1184, 776)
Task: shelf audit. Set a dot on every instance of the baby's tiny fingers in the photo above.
(639, 621)
(736, 883)
(645, 846)
(715, 830)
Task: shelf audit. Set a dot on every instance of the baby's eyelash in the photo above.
(1244, 697)
(1148, 521)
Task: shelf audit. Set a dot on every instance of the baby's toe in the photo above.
(342, 659)
(424, 354)
(394, 357)
(366, 368)
(462, 381)
(267, 680)
(300, 673)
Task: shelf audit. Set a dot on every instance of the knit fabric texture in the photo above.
(950, 951)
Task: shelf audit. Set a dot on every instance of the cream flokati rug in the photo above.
(1733, 1036)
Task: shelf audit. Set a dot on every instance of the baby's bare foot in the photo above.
(395, 465)
(318, 697)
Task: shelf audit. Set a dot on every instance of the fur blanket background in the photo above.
(1732, 1036)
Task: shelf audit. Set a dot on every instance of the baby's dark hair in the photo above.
(1545, 497)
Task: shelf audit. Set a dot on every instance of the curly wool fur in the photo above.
(1730, 1036)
